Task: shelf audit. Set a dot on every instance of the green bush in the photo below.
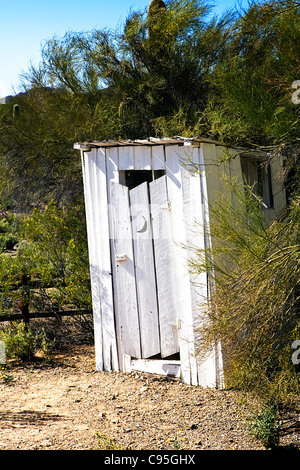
(21, 342)
(57, 252)
(265, 426)
(7, 241)
(254, 272)
(53, 254)
(8, 231)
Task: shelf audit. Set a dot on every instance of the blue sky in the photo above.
(25, 24)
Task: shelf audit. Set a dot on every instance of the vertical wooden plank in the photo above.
(204, 193)
(158, 157)
(88, 163)
(112, 175)
(211, 171)
(112, 166)
(235, 166)
(191, 194)
(104, 263)
(165, 270)
(194, 217)
(126, 158)
(192, 213)
(126, 310)
(144, 270)
(174, 157)
(94, 169)
(142, 157)
(211, 369)
(223, 171)
(278, 187)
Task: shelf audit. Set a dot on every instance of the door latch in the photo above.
(121, 257)
(177, 325)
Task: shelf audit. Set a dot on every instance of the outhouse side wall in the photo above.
(214, 154)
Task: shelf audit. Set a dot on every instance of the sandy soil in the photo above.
(67, 405)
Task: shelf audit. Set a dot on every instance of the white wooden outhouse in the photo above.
(142, 201)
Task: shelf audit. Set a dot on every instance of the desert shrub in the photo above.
(254, 273)
(108, 443)
(21, 342)
(266, 427)
(57, 238)
(8, 231)
(52, 253)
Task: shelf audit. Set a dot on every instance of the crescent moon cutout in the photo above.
(144, 226)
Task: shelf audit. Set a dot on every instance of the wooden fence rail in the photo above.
(26, 284)
(54, 314)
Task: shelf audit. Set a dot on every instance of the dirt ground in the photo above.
(67, 405)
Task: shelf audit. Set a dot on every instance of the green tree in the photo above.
(254, 78)
(251, 102)
(140, 76)
(107, 84)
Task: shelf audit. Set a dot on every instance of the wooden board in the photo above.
(210, 370)
(165, 275)
(194, 218)
(204, 192)
(126, 158)
(109, 348)
(142, 158)
(195, 236)
(159, 367)
(88, 163)
(209, 164)
(158, 157)
(94, 171)
(126, 309)
(144, 270)
(174, 160)
(112, 167)
(192, 212)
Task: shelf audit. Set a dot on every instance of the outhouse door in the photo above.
(141, 246)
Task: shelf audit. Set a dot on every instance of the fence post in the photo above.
(24, 304)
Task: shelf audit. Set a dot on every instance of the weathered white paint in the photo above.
(142, 158)
(94, 170)
(126, 308)
(89, 188)
(112, 167)
(210, 368)
(165, 269)
(104, 264)
(194, 217)
(144, 270)
(126, 158)
(145, 300)
(164, 368)
(183, 289)
(158, 157)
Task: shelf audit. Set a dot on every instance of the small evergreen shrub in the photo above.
(265, 426)
(21, 342)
